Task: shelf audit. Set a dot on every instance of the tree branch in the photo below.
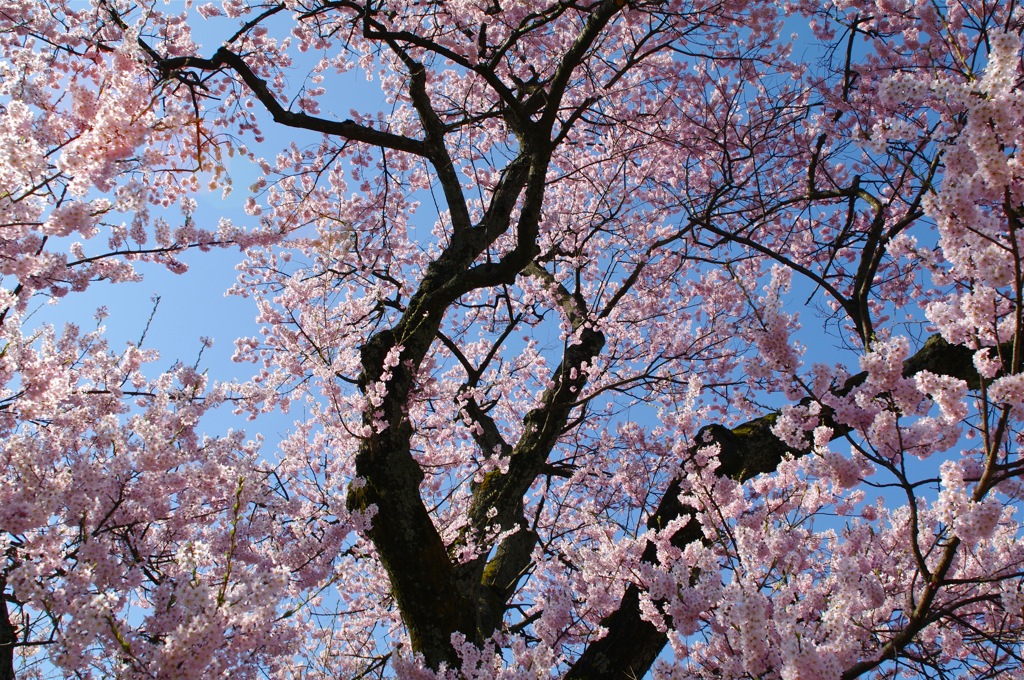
(632, 643)
(347, 129)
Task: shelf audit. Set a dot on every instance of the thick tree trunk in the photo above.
(8, 636)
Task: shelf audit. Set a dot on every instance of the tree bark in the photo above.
(8, 636)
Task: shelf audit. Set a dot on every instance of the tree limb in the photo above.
(632, 643)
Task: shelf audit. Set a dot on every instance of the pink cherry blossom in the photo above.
(615, 339)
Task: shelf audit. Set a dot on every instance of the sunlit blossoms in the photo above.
(612, 339)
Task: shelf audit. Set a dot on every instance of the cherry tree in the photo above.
(627, 339)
